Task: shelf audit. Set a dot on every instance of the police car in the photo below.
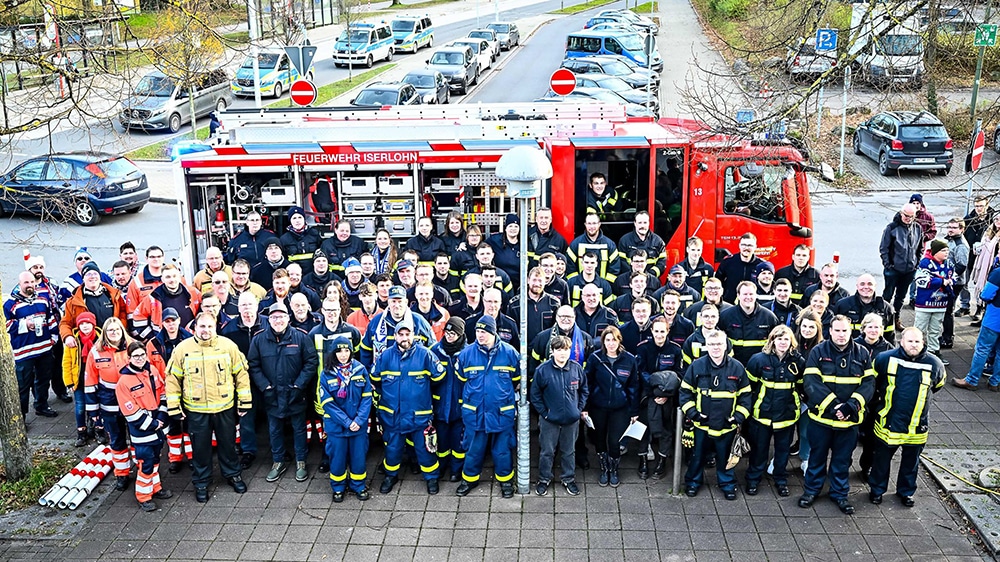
(410, 33)
(364, 43)
(274, 70)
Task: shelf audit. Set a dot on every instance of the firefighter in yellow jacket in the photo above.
(208, 384)
(141, 400)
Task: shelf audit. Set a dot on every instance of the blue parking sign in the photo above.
(826, 40)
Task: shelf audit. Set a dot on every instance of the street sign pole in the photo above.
(986, 36)
(826, 40)
(968, 192)
(819, 113)
(843, 116)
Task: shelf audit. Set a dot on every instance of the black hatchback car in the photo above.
(81, 186)
(905, 140)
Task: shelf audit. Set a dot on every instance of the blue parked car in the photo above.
(82, 186)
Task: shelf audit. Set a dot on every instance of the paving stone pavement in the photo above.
(637, 521)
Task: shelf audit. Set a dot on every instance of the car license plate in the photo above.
(130, 185)
(923, 160)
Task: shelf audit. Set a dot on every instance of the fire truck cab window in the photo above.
(756, 190)
(611, 183)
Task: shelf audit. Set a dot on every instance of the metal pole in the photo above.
(496, 10)
(819, 113)
(523, 419)
(678, 451)
(979, 70)
(843, 117)
(254, 49)
(968, 195)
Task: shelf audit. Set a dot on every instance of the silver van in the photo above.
(157, 103)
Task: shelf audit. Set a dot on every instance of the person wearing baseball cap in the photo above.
(300, 240)
(283, 363)
(402, 375)
(274, 259)
(381, 329)
(345, 392)
(490, 369)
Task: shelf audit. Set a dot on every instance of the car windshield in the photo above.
(614, 84)
(403, 26)
(474, 45)
(616, 68)
(376, 97)
(446, 58)
(630, 42)
(155, 87)
(499, 27)
(923, 132)
(118, 167)
(264, 61)
(420, 80)
(901, 45)
(355, 36)
(481, 35)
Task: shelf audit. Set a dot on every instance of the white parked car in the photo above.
(481, 48)
(490, 36)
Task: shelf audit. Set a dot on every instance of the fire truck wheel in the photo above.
(85, 214)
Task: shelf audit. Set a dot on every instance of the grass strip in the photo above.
(582, 7)
(49, 466)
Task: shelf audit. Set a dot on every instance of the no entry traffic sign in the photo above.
(978, 144)
(302, 92)
(563, 82)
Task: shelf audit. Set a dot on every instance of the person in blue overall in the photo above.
(402, 378)
(489, 369)
(448, 399)
(345, 394)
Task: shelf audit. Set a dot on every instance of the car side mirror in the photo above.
(352, 101)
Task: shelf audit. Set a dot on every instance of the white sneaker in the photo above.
(770, 467)
(650, 455)
(804, 466)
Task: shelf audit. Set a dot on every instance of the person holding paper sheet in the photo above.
(715, 396)
(613, 380)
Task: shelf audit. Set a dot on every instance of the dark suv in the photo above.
(378, 94)
(905, 140)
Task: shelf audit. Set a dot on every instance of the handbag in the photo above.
(739, 449)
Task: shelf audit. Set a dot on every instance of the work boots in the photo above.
(605, 476)
(613, 471)
(643, 467)
(660, 470)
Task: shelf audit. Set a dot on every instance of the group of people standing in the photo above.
(417, 346)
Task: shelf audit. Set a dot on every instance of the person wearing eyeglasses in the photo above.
(102, 374)
(147, 279)
(901, 249)
(143, 403)
(738, 267)
(213, 264)
(75, 279)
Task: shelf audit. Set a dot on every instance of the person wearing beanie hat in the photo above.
(925, 220)
(300, 240)
(448, 404)
(274, 259)
(763, 276)
(343, 245)
(935, 280)
(345, 393)
(90, 266)
(31, 325)
(81, 257)
(507, 248)
(405, 402)
(321, 272)
(490, 371)
(425, 244)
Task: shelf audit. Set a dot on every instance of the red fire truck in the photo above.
(387, 167)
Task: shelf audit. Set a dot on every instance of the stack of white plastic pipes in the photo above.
(73, 488)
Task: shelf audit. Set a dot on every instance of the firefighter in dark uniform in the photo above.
(748, 324)
(715, 397)
(300, 241)
(447, 394)
(866, 301)
(839, 384)
(489, 371)
(799, 273)
(657, 355)
(344, 392)
(903, 377)
(402, 376)
(776, 380)
(541, 305)
(591, 316)
(249, 243)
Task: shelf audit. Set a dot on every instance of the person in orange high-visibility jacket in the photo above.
(144, 406)
(101, 374)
